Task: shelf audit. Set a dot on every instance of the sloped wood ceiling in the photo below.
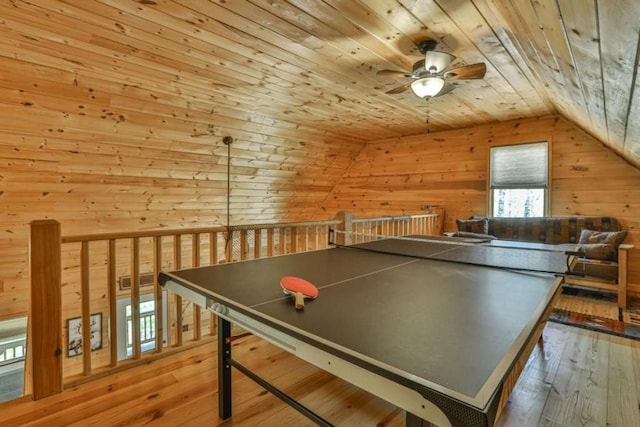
(287, 70)
(113, 112)
(146, 89)
(585, 56)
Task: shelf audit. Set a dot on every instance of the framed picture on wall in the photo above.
(74, 334)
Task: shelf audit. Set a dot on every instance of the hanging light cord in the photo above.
(227, 140)
(228, 186)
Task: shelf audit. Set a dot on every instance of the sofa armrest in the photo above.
(623, 250)
(620, 286)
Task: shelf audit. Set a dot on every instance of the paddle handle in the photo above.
(299, 301)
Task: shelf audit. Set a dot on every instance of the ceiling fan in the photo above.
(431, 77)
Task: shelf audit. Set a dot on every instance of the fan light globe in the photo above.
(427, 87)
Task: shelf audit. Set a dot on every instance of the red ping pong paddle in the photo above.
(301, 288)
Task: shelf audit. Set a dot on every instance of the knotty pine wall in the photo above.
(97, 178)
(450, 169)
(101, 155)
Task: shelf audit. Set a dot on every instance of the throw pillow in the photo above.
(599, 251)
(614, 238)
(480, 226)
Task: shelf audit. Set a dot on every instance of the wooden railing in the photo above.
(94, 285)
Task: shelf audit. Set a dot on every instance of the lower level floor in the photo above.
(577, 377)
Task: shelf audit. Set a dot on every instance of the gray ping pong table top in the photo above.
(443, 325)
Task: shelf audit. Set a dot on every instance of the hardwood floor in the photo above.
(578, 377)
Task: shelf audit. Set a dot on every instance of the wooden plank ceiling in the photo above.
(293, 81)
(292, 68)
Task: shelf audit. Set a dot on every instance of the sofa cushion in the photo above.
(597, 270)
(468, 234)
(476, 225)
(549, 230)
(522, 229)
(601, 251)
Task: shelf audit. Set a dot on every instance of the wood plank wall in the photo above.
(450, 169)
(100, 155)
(93, 181)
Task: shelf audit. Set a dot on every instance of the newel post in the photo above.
(345, 228)
(45, 316)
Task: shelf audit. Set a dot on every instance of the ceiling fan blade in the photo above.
(393, 73)
(399, 89)
(467, 72)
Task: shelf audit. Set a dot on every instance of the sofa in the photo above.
(604, 263)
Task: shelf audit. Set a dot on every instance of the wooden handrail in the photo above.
(186, 231)
(153, 250)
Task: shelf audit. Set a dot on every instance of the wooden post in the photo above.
(622, 275)
(343, 237)
(45, 317)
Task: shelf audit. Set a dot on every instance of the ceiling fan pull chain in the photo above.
(428, 98)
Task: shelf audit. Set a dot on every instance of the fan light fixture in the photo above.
(427, 87)
(436, 61)
(431, 76)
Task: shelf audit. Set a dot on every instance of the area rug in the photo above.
(596, 323)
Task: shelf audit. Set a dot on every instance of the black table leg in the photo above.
(224, 368)
(414, 421)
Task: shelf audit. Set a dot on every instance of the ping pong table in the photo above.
(425, 325)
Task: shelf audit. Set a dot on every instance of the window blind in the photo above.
(520, 166)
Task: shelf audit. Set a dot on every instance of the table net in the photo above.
(462, 251)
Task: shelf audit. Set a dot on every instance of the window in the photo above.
(13, 348)
(519, 180)
(147, 327)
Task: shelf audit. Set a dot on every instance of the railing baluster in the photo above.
(213, 248)
(270, 242)
(157, 266)
(228, 246)
(257, 242)
(294, 240)
(305, 239)
(85, 303)
(135, 296)
(243, 245)
(111, 286)
(195, 262)
(312, 238)
(281, 241)
(177, 264)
